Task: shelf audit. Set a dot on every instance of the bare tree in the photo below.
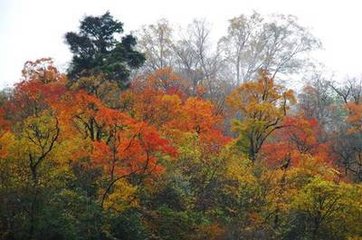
(201, 62)
(275, 44)
(156, 42)
(350, 91)
(317, 101)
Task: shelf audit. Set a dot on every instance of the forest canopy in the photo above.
(152, 136)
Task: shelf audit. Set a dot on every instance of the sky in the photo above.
(32, 29)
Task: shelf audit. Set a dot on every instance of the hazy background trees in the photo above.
(276, 43)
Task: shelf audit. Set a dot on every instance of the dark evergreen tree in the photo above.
(98, 48)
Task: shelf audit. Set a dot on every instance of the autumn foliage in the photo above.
(162, 163)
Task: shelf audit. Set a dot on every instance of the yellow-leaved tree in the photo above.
(260, 107)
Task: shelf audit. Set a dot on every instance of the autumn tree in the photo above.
(128, 149)
(41, 86)
(300, 137)
(319, 202)
(34, 132)
(261, 106)
(35, 116)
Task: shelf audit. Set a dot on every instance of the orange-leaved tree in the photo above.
(260, 107)
(119, 144)
(128, 148)
(299, 137)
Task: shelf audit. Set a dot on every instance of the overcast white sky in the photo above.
(31, 29)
